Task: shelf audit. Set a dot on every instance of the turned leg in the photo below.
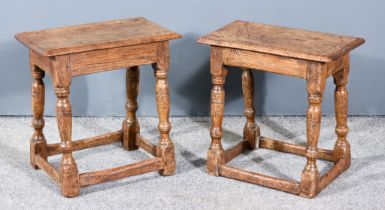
(69, 175)
(342, 147)
(316, 76)
(165, 149)
(38, 145)
(251, 131)
(130, 125)
(216, 154)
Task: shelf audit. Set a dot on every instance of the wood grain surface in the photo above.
(94, 36)
(311, 56)
(282, 41)
(72, 51)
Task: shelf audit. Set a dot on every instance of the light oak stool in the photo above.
(72, 51)
(312, 56)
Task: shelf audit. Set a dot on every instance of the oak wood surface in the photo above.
(94, 36)
(312, 56)
(77, 50)
(236, 150)
(260, 179)
(342, 146)
(69, 173)
(95, 177)
(108, 138)
(165, 148)
(316, 79)
(339, 167)
(48, 168)
(280, 146)
(38, 60)
(38, 143)
(114, 58)
(266, 62)
(251, 131)
(130, 126)
(145, 145)
(216, 153)
(278, 40)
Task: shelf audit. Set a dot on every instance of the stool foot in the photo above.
(38, 145)
(252, 134)
(167, 152)
(310, 180)
(130, 129)
(342, 150)
(69, 176)
(215, 158)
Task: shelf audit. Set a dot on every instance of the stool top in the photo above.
(94, 36)
(296, 43)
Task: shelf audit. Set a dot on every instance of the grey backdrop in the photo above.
(103, 94)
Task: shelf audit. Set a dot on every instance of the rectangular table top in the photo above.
(94, 36)
(277, 40)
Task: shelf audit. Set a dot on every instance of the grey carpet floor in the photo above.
(361, 187)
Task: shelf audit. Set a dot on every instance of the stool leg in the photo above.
(251, 131)
(130, 125)
(342, 147)
(216, 153)
(38, 145)
(316, 76)
(165, 148)
(69, 175)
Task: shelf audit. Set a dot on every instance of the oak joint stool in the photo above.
(312, 56)
(72, 51)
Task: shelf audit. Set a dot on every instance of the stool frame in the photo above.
(315, 74)
(67, 52)
(62, 68)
